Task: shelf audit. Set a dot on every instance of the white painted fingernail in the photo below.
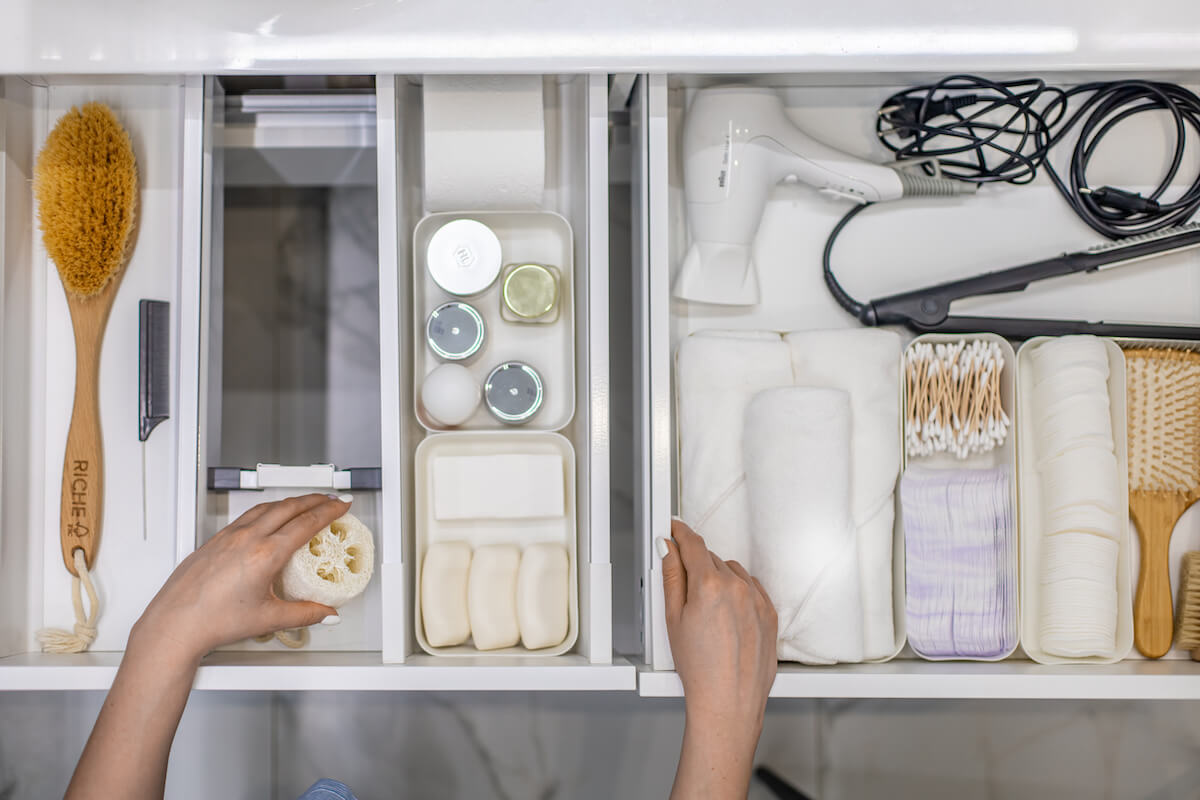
(332, 619)
(677, 519)
(346, 498)
(660, 544)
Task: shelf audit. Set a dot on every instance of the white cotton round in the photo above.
(1085, 474)
(334, 566)
(1056, 356)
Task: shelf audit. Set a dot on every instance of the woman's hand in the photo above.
(223, 593)
(722, 628)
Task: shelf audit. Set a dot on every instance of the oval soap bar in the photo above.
(444, 593)
(492, 596)
(543, 587)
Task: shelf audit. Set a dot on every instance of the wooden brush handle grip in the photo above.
(83, 464)
(1155, 514)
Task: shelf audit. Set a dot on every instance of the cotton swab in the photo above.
(953, 398)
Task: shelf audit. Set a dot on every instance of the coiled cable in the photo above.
(984, 131)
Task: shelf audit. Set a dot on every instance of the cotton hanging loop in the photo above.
(57, 640)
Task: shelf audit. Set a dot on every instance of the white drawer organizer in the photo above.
(889, 248)
(179, 133)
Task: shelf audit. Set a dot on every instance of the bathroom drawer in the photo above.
(209, 169)
(138, 546)
(907, 244)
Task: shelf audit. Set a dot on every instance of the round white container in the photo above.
(463, 257)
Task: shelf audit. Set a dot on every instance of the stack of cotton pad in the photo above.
(960, 576)
(1081, 497)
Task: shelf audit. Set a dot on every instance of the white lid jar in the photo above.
(463, 257)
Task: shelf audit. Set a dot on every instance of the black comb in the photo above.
(154, 365)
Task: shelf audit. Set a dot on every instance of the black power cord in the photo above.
(985, 131)
(860, 311)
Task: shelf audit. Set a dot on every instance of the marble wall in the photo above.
(584, 746)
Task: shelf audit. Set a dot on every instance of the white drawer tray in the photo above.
(890, 248)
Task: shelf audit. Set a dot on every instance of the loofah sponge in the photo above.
(86, 185)
(334, 567)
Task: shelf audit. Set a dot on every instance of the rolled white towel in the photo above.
(802, 536)
(716, 375)
(865, 363)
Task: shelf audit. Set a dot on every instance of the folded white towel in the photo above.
(865, 363)
(716, 375)
(802, 537)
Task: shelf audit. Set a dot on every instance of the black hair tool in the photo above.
(928, 309)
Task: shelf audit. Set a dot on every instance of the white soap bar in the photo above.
(492, 596)
(444, 593)
(543, 588)
(498, 487)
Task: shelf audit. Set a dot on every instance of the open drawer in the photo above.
(277, 218)
(893, 247)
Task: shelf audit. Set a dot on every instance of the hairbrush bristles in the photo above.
(1187, 634)
(85, 181)
(1164, 419)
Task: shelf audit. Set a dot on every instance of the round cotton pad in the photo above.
(1086, 474)
(1069, 352)
(334, 567)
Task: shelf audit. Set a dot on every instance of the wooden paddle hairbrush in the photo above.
(1164, 475)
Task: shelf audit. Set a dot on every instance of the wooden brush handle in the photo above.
(1155, 514)
(83, 463)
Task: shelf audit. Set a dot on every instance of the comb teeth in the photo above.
(1188, 634)
(1164, 419)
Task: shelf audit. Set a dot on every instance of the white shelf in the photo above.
(277, 37)
(1005, 680)
(330, 671)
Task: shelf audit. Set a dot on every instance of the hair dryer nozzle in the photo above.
(718, 273)
(915, 184)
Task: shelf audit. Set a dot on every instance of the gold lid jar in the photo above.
(530, 291)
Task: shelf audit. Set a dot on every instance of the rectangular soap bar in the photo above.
(498, 487)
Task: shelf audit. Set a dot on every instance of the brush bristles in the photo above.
(85, 181)
(1164, 419)
(1188, 634)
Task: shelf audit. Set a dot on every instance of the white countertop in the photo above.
(371, 36)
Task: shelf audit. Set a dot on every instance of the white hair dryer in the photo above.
(737, 144)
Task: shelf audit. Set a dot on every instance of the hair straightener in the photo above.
(928, 309)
